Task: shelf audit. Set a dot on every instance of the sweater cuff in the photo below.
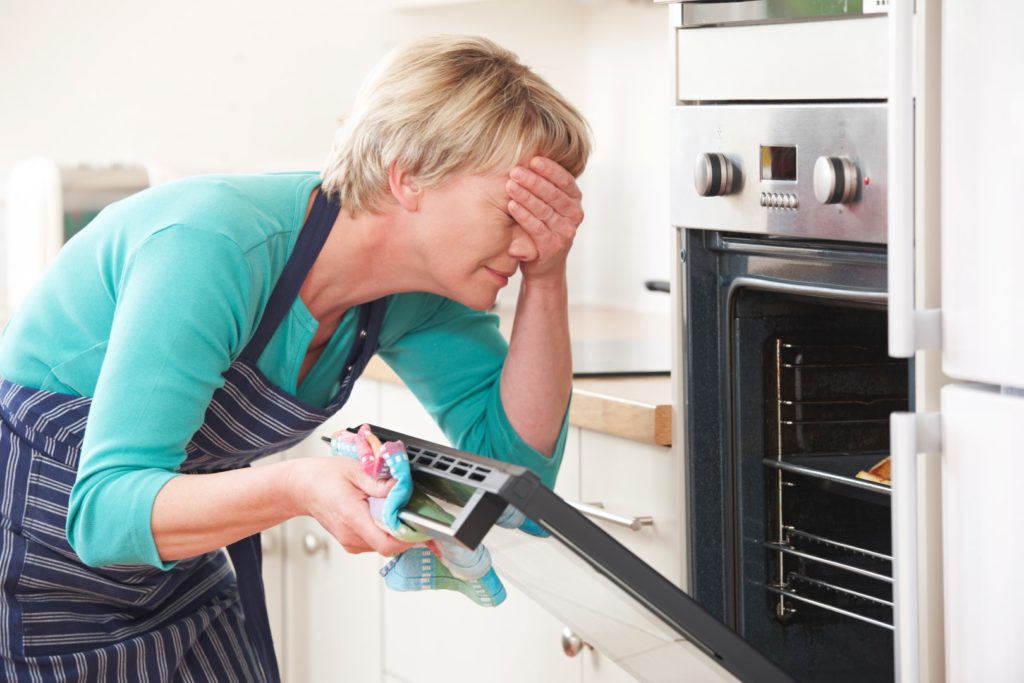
(111, 524)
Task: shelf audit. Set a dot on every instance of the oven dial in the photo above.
(714, 174)
(835, 180)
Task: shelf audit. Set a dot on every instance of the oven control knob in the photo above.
(714, 174)
(835, 180)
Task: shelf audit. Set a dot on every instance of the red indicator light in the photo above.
(867, 181)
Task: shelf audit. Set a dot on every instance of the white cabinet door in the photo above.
(442, 636)
(632, 479)
(982, 177)
(982, 507)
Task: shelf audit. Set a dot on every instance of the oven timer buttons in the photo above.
(835, 180)
(779, 200)
(714, 175)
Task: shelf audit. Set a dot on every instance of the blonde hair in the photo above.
(446, 104)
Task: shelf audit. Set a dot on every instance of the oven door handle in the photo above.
(910, 434)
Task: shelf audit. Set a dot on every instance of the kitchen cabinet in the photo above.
(631, 480)
(634, 482)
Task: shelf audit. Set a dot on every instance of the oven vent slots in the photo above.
(446, 463)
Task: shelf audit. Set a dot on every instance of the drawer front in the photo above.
(634, 480)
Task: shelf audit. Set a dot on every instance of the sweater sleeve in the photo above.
(183, 310)
(451, 358)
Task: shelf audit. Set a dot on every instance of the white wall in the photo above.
(198, 86)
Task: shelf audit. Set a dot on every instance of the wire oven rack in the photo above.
(830, 415)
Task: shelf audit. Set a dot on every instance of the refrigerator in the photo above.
(956, 306)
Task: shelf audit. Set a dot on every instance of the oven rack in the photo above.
(850, 580)
(811, 353)
(828, 420)
(831, 397)
(836, 473)
(792, 594)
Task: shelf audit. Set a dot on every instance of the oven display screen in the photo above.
(778, 162)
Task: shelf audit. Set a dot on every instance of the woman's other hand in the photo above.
(545, 200)
(334, 491)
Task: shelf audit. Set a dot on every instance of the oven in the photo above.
(781, 215)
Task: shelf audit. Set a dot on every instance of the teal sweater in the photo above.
(148, 305)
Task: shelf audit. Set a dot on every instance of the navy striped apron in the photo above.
(61, 620)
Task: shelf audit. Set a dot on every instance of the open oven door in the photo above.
(610, 597)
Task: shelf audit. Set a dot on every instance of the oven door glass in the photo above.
(606, 594)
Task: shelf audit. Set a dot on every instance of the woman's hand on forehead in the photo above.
(545, 200)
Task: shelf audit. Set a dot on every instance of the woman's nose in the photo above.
(522, 247)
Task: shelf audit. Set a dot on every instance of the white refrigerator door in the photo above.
(982, 193)
(982, 508)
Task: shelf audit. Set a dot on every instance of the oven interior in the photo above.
(788, 545)
(813, 390)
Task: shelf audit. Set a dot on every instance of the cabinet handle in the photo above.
(597, 511)
(314, 544)
(572, 644)
(268, 542)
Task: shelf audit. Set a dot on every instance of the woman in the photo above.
(194, 327)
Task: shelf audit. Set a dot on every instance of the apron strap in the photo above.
(247, 554)
(247, 559)
(311, 240)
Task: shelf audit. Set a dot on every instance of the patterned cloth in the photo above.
(438, 563)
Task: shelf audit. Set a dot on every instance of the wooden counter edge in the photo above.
(619, 417)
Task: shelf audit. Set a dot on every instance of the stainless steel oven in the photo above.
(781, 216)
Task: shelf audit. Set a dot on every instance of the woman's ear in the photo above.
(404, 188)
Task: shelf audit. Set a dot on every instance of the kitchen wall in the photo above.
(193, 86)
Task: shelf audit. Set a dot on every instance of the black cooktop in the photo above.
(621, 357)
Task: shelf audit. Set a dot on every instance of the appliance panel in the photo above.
(982, 479)
(982, 239)
(727, 161)
(820, 60)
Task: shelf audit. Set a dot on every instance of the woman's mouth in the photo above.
(500, 276)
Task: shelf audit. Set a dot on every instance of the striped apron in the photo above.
(202, 620)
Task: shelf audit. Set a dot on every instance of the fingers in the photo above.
(365, 536)
(358, 532)
(371, 486)
(554, 172)
(545, 195)
(533, 203)
(371, 539)
(535, 193)
(538, 230)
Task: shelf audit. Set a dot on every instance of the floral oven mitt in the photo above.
(438, 563)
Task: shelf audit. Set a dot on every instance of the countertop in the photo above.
(637, 408)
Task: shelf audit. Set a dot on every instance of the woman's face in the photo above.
(472, 245)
